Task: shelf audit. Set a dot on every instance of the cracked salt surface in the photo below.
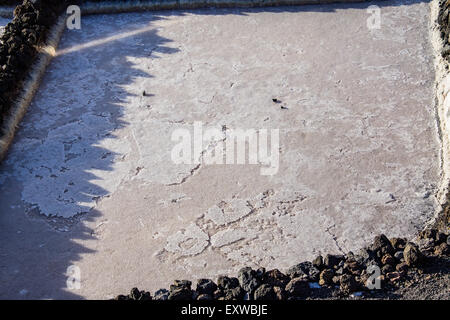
(359, 150)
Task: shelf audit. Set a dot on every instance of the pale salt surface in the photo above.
(359, 152)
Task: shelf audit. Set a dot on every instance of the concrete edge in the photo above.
(154, 5)
(30, 85)
(442, 109)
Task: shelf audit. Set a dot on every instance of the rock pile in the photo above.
(397, 259)
(18, 47)
(444, 25)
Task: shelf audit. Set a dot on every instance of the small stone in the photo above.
(280, 294)
(388, 259)
(401, 267)
(326, 277)
(314, 274)
(387, 268)
(264, 292)
(398, 243)
(318, 262)
(352, 267)
(348, 284)
(181, 284)
(440, 238)
(180, 290)
(206, 286)
(426, 244)
(276, 278)
(297, 287)
(225, 282)
(381, 245)
(180, 294)
(393, 276)
(365, 255)
(428, 234)
(398, 255)
(260, 272)
(161, 294)
(412, 254)
(217, 294)
(332, 260)
(299, 270)
(135, 294)
(234, 294)
(442, 249)
(248, 279)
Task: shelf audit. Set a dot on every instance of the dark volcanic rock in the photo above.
(264, 292)
(204, 297)
(348, 284)
(441, 249)
(394, 276)
(398, 255)
(381, 246)
(180, 294)
(249, 280)
(318, 262)
(365, 256)
(162, 294)
(276, 278)
(181, 290)
(206, 286)
(305, 269)
(19, 45)
(412, 254)
(401, 267)
(298, 287)
(387, 268)
(428, 234)
(326, 277)
(332, 260)
(135, 294)
(352, 267)
(388, 259)
(280, 293)
(234, 294)
(398, 243)
(225, 282)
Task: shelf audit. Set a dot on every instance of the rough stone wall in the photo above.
(440, 39)
(21, 43)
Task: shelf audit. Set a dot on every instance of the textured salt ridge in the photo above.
(30, 86)
(442, 101)
(130, 6)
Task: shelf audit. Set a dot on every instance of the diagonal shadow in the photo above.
(59, 152)
(68, 146)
